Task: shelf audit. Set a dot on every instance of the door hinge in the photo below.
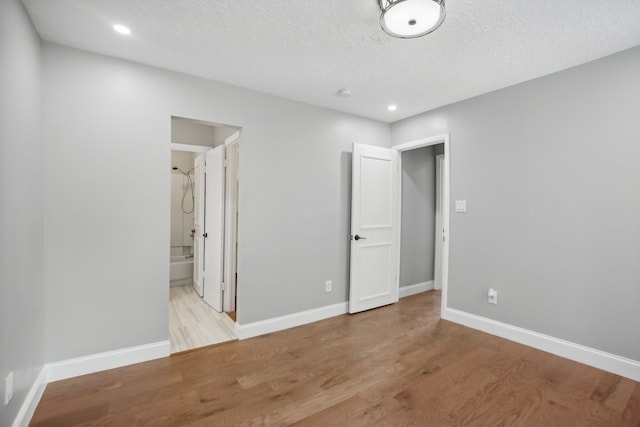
(222, 287)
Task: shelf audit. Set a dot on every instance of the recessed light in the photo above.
(122, 29)
(392, 107)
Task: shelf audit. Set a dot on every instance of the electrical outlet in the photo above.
(8, 388)
(492, 296)
(328, 286)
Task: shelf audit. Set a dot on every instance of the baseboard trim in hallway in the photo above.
(416, 288)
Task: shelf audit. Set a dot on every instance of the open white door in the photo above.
(198, 224)
(214, 227)
(374, 228)
(439, 231)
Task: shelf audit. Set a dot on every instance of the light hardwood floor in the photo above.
(193, 323)
(396, 365)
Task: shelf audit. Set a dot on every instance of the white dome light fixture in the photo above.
(408, 19)
(122, 29)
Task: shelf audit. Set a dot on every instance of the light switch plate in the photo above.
(461, 205)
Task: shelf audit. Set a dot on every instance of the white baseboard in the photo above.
(262, 327)
(86, 365)
(290, 320)
(589, 356)
(31, 400)
(405, 291)
(107, 360)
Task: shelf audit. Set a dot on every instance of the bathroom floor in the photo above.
(193, 323)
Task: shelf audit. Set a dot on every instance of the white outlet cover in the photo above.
(492, 296)
(461, 205)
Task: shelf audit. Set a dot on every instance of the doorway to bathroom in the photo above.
(204, 225)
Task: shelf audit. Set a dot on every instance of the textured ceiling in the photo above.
(307, 50)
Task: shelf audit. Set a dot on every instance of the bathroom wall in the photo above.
(181, 222)
(183, 160)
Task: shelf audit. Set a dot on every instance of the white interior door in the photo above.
(214, 227)
(374, 228)
(198, 224)
(439, 232)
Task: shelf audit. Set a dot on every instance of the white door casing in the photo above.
(231, 226)
(198, 224)
(374, 228)
(214, 227)
(439, 231)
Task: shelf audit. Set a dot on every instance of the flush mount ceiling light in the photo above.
(122, 29)
(408, 19)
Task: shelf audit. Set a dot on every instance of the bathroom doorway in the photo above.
(204, 224)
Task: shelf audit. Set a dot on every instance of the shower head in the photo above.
(175, 168)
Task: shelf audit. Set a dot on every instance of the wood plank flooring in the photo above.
(396, 365)
(193, 323)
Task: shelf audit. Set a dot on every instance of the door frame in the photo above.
(190, 148)
(412, 145)
(230, 225)
(439, 233)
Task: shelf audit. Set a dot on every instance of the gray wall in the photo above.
(550, 171)
(21, 210)
(418, 216)
(295, 171)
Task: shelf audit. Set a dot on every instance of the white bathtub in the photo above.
(181, 271)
